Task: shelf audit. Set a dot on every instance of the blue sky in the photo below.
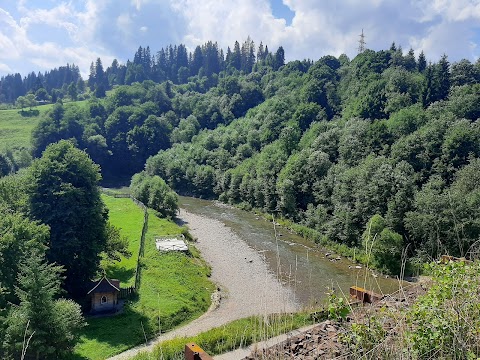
(38, 35)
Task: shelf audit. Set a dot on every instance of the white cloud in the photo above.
(18, 47)
(229, 21)
(458, 10)
(80, 31)
(55, 17)
(5, 68)
(8, 48)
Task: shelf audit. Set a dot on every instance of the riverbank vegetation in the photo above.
(238, 333)
(442, 323)
(379, 154)
(327, 144)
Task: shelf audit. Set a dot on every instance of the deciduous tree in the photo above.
(64, 195)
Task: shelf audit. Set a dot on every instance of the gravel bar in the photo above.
(246, 285)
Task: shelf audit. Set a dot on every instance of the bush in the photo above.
(154, 192)
(384, 245)
(445, 323)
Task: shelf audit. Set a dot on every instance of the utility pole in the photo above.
(361, 43)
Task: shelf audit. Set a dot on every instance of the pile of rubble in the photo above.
(324, 340)
(317, 343)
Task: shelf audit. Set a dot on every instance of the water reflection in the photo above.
(297, 262)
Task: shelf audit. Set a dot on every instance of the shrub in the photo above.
(154, 192)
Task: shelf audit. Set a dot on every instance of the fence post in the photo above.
(142, 239)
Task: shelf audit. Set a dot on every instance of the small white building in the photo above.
(171, 243)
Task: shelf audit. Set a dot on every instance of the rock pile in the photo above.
(321, 342)
(324, 340)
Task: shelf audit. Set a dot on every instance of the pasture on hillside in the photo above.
(16, 126)
(174, 287)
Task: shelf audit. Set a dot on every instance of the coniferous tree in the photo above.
(236, 59)
(197, 61)
(51, 325)
(410, 62)
(442, 75)
(101, 81)
(422, 62)
(91, 77)
(279, 58)
(260, 52)
(429, 92)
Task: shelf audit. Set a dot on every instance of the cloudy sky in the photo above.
(38, 35)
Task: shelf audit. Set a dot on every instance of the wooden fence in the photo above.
(125, 293)
(141, 250)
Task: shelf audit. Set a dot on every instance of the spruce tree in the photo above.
(41, 327)
(422, 62)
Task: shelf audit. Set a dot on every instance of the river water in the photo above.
(298, 263)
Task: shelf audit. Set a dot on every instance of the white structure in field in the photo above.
(172, 243)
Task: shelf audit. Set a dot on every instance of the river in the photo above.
(298, 263)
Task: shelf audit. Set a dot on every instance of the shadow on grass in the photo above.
(29, 113)
(76, 357)
(107, 336)
(120, 273)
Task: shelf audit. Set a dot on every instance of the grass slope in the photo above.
(236, 334)
(127, 216)
(16, 126)
(174, 288)
(16, 129)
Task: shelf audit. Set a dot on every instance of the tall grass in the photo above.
(236, 334)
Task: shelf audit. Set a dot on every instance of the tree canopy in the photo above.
(64, 195)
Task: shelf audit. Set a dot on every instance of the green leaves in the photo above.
(337, 307)
(154, 192)
(382, 245)
(445, 322)
(64, 195)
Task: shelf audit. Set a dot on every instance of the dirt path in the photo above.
(247, 287)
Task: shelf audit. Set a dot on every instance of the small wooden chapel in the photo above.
(104, 295)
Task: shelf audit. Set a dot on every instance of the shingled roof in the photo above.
(104, 285)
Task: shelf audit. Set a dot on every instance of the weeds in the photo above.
(444, 323)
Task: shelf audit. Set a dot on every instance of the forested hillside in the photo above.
(385, 140)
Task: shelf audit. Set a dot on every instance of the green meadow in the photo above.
(174, 287)
(16, 126)
(128, 217)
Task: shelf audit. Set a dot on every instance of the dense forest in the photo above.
(331, 144)
(172, 63)
(379, 152)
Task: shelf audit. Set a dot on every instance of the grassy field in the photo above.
(15, 129)
(16, 126)
(174, 289)
(238, 333)
(127, 216)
